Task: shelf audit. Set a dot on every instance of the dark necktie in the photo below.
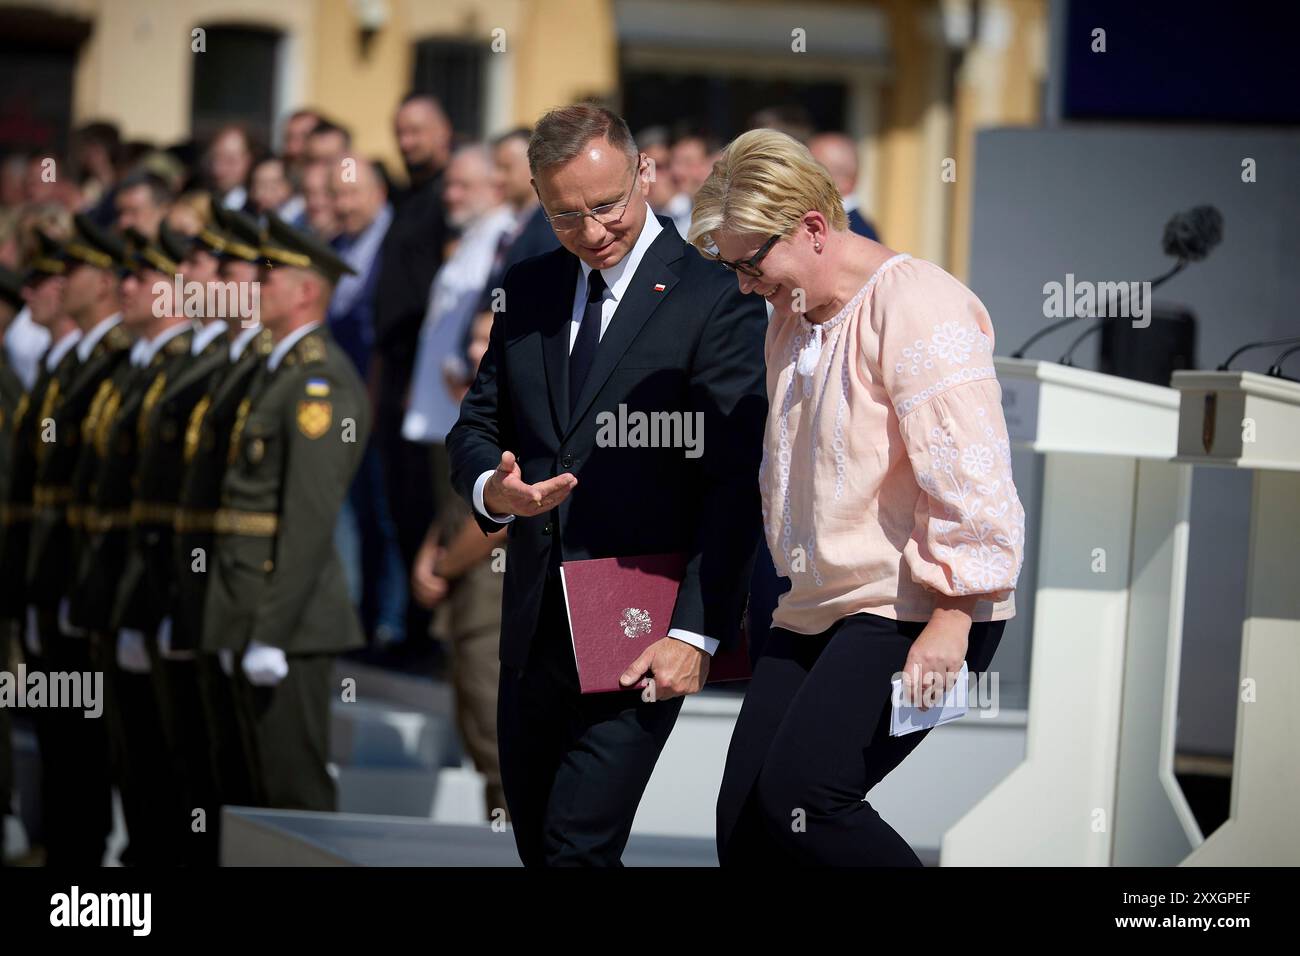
(584, 348)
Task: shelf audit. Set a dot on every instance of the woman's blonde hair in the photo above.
(765, 182)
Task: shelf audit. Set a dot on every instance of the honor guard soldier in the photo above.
(76, 767)
(278, 597)
(42, 290)
(151, 799)
(205, 452)
(12, 395)
(147, 593)
(241, 254)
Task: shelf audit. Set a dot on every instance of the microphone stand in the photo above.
(1276, 368)
(1155, 283)
(1223, 366)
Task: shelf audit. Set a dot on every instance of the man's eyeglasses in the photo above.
(748, 266)
(606, 215)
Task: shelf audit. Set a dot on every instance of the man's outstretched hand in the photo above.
(506, 492)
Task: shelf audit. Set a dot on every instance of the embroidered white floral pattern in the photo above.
(832, 326)
(981, 532)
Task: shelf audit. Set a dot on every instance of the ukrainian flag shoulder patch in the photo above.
(318, 387)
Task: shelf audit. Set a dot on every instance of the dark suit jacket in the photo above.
(862, 226)
(535, 239)
(695, 346)
(411, 256)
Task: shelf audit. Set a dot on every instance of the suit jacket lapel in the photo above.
(555, 340)
(639, 301)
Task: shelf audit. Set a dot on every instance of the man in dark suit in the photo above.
(623, 315)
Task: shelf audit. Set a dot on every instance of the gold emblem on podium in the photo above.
(1207, 423)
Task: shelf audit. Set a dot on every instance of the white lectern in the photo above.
(1097, 785)
(1248, 420)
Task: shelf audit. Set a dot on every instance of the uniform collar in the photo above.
(241, 340)
(148, 348)
(289, 341)
(91, 338)
(60, 348)
(619, 276)
(204, 336)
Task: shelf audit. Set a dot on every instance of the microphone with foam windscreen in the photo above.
(1189, 237)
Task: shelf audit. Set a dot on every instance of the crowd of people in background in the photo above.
(429, 250)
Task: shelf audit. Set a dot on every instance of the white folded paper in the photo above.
(907, 718)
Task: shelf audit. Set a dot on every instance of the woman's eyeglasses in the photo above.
(748, 266)
(606, 215)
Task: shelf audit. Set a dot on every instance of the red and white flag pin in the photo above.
(659, 287)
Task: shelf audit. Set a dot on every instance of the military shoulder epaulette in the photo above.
(179, 345)
(310, 351)
(218, 343)
(118, 338)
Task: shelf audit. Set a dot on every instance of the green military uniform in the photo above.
(23, 432)
(12, 396)
(147, 592)
(104, 489)
(205, 453)
(277, 581)
(76, 780)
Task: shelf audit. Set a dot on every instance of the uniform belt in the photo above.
(152, 512)
(253, 524)
(51, 496)
(15, 514)
(94, 520)
(190, 520)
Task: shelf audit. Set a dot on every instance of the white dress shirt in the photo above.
(617, 279)
(679, 210)
(204, 336)
(60, 348)
(241, 341)
(91, 338)
(453, 296)
(24, 342)
(144, 350)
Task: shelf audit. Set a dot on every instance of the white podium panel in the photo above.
(1238, 419)
(1107, 631)
(1247, 420)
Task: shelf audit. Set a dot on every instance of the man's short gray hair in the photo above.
(560, 135)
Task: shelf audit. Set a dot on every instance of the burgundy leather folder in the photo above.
(620, 606)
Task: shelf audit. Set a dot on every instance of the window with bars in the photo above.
(454, 71)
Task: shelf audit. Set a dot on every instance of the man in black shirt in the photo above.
(412, 254)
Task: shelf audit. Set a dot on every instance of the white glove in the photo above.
(165, 643)
(32, 635)
(226, 658)
(264, 665)
(132, 656)
(65, 621)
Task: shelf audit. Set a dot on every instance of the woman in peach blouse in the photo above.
(888, 502)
